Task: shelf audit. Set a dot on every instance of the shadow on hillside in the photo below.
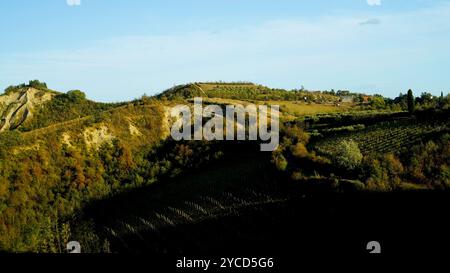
(239, 206)
(404, 223)
(244, 171)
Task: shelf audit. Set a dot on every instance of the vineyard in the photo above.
(205, 208)
(389, 136)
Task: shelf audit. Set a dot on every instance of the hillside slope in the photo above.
(245, 91)
(117, 163)
(49, 173)
(18, 107)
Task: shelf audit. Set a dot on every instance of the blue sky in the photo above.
(117, 50)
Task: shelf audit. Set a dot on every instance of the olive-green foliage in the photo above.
(424, 165)
(428, 163)
(37, 84)
(347, 155)
(280, 162)
(42, 188)
(11, 89)
(33, 84)
(378, 102)
(383, 172)
(398, 152)
(63, 107)
(293, 157)
(244, 91)
(10, 138)
(411, 102)
(76, 96)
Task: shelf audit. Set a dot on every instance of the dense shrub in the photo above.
(280, 162)
(37, 84)
(76, 96)
(348, 155)
(11, 89)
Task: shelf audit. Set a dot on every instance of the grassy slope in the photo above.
(148, 119)
(62, 108)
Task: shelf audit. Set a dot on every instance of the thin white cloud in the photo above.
(372, 21)
(374, 2)
(73, 2)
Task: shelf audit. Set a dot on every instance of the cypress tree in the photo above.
(411, 103)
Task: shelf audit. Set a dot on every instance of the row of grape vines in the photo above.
(192, 211)
(384, 137)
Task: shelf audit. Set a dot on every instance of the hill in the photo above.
(71, 168)
(48, 174)
(245, 91)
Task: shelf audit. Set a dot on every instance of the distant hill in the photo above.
(74, 120)
(245, 91)
(28, 107)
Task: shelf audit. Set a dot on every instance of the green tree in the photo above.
(348, 155)
(378, 102)
(402, 101)
(37, 84)
(76, 96)
(11, 89)
(411, 102)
